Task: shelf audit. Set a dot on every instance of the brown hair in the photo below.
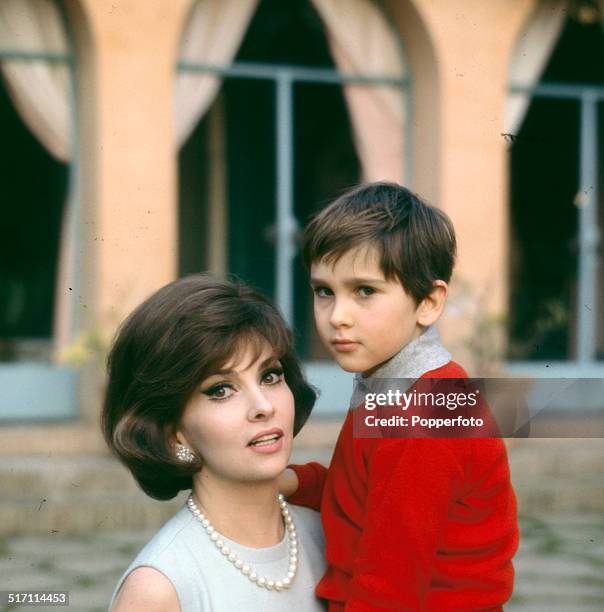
(183, 333)
(415, 241)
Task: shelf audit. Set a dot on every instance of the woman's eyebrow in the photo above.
(269, 361)
(230, 372)
(222, 373)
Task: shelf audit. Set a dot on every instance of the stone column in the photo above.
(473, 43)
(133, 212)
(127, 53)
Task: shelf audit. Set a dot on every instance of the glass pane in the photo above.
(544, 205)
(251, 181)
(286, 33)
(326, 163)
(544, 232)
(34, 188)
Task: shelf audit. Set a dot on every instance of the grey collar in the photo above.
(421, 355)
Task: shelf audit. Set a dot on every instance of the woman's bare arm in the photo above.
(146, 590)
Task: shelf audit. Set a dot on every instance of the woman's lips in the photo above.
(268, 441)
(268, 447)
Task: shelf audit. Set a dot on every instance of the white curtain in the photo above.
(213, 33)
(41, 93)
(531, 54)
(363, 42)
(39, 90)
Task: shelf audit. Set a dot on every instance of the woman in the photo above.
(205, 393)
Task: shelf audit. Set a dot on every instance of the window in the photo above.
(556, 272)
(276, 145)
(38, 201)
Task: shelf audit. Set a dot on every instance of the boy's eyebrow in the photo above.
(355, 280)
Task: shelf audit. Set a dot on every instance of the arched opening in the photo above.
(547, 161)
(228, 167)
(296, 121)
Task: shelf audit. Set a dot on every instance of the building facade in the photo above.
(148, 140)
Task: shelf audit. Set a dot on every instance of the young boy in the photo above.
(414, 523)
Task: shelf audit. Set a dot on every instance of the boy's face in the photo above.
(362, 318)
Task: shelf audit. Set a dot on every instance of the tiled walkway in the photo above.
(560, 564)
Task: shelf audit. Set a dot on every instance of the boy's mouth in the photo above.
(344, 345)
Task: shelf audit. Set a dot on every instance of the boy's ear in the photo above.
(431, 307)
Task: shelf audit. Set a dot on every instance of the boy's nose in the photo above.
(340, 314)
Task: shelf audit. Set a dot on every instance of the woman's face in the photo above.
(240, 420)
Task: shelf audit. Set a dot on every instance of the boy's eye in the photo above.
(365, 291)
(273, 376)
(220, 391)
(322, 291)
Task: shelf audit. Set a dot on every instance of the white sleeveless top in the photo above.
(205, 581)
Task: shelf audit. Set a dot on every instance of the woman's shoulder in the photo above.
(176, 530)
(146, 590)
(159, 558)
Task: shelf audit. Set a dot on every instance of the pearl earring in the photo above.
(184, 453)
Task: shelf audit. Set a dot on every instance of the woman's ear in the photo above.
(431, 307)
(181, 448)
(176, 438)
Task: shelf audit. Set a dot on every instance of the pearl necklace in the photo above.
(245, 568)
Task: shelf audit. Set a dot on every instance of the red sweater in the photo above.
(414, 524)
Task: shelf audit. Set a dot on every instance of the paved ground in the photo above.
(560, 565)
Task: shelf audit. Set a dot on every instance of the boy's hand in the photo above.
(287, 482)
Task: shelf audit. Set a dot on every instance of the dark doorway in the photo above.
(544, 204)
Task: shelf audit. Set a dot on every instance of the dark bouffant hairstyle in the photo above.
(182, 334)
(415, 241)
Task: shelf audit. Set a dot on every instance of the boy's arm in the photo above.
(411, 486)
(305, 483)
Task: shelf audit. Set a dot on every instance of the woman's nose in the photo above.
(261, 406)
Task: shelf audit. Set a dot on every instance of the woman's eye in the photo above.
(365, 291)
(322, 291)
(219, 392)
(272, 377)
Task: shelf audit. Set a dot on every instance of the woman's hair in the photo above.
(179, 336)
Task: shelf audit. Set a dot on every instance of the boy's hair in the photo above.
(183, 333)
(415, 241)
